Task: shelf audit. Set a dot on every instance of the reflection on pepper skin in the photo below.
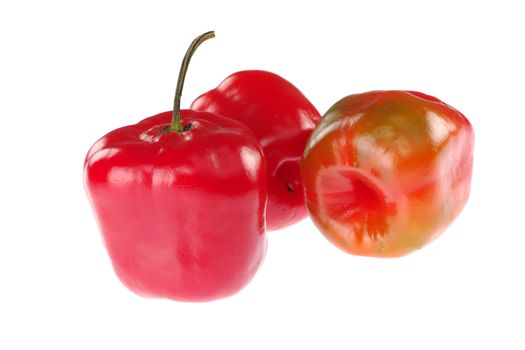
(385, 172)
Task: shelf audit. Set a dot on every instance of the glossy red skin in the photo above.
(282, 119)
(385, 172)
(182, 215)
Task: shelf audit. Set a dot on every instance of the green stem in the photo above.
(176, 125)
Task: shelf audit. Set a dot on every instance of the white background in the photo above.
(71, 71)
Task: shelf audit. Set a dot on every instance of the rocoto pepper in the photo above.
(385, 172)
(282, 118)
(181, 205)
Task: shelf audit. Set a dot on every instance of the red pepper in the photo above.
(282, 119)
(181, 206)
(385, 172)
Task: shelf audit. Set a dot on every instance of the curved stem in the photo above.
(176, 125)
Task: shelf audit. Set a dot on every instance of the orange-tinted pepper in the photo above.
(385, 172)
